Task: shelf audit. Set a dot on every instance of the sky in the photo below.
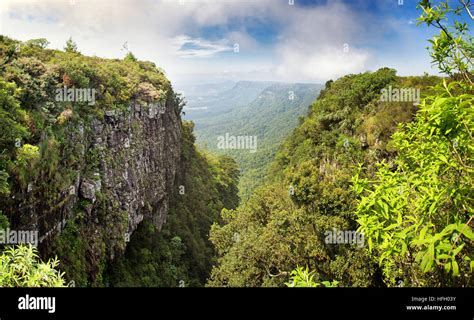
(209, 41)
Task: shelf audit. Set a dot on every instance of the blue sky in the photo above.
(202, 41)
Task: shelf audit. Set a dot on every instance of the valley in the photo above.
(268, 111)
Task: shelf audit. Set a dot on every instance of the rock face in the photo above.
(125, 174)
(138, 159)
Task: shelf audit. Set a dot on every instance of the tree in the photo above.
(4, 187)
(71, 46)
(27, 154)
(130, 57)
(27, 157)
(452, 51)
(40, 43)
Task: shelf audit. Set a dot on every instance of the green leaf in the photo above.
(458, 249)
(447, 267)
(443, 256)
(428, 259)
(443, 158)
(439, 102)
(399, 218)
(466, 230)
(455, 268)
(404, 248)
(444, 247)
(423, 233)
(390, 227)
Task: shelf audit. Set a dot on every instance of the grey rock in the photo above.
(88, 191)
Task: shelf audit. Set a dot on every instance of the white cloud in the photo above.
(320, 44)
(326, 63)
(198, 48)
(309, 46)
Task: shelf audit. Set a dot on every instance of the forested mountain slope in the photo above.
(284, 223)
(370, 189)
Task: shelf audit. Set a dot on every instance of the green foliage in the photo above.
(20, 267)
(420, 207)
(3, 221)
(26, 155)
(153, 259)
(12, 131)
(71, 247)
(302, 278)
(269, 235)
(12, 118)
(4, 187)
(417, 213)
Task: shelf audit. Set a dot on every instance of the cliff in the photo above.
(95, 168)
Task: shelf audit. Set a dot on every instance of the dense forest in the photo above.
(373, 188)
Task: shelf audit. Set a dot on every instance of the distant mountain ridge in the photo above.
(206, 100)
(266, 109)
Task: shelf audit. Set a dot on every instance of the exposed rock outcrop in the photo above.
(127, 166)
